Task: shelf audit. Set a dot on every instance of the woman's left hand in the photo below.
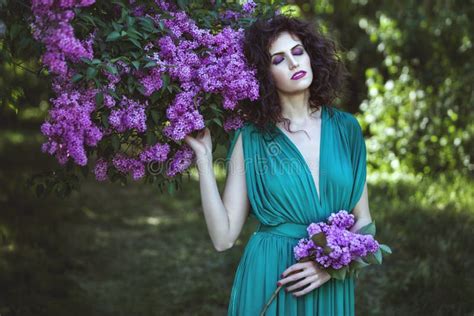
(310, 274)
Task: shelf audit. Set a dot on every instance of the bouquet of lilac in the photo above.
(336, 249)
(339, 251)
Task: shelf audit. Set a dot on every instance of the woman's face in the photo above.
(288, 57)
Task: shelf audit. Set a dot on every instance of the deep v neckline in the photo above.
(305, 164)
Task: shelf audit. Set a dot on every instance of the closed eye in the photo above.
(297, 51)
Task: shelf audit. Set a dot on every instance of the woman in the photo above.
(286, 178)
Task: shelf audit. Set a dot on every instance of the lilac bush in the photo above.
(132, 78)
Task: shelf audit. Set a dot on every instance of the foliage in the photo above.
(131, 80)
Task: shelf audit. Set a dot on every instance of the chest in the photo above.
(308, 144)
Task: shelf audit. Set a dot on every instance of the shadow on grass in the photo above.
(112, 250)
(431, 269)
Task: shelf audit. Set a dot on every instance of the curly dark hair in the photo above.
(325, 61)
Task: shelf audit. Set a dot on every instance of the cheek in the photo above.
(279, 76)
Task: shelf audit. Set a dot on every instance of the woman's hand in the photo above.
(306, 273)
(202, 145)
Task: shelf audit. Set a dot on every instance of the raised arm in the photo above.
(224, 216)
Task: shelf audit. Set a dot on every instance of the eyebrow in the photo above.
(282, 52)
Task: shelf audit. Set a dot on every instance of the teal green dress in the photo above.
(283, 197)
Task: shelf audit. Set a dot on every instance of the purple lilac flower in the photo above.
(158, 152)
(126, 164)
(131, 115)
(52, 27)
(232, 123)
(249, 7)
(183, 116)
(70, 128)
(109, 100)
(230, 15)
(344, 245)
(165, 5)
(221, 70)
(342, 219)
(100, 169)
(152, 82)
(180, 161)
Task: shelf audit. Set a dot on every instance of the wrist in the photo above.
(204, 162)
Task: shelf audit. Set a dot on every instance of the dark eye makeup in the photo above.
(296, 51)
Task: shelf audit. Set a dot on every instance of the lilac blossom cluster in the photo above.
(220, 70)
(70, 127)
(343, 246)
(232, 123)
(52, 27)
(199, 61)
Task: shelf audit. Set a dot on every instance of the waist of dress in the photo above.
(292, 230)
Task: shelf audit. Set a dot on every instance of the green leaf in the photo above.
(166, 80)
(135, 42)
(136, 64)
(319, 239)
(378, 256)
(385, 249)
(113, 36)
(155, 115)
(77, 77)
(151, 63)
(85, 60)
(113, 93)
(91, 72)
(134, 33)
(130, 20)
(117, 27)
(161, 25)
(183, 4)
(99, 99)
(147, 24)
(327, 250)
(111, 69)
(151, 138)
(368, 229)
(105, 119)
(374, 258)
(217, 121)
(113, 60)
(115, 142)
(339, 274)
(358, 264)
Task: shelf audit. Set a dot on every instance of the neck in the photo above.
(296, 108)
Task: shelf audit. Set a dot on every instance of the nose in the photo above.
(293, 63)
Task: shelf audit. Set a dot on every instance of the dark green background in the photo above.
(108, 249)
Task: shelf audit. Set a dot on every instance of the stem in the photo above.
(271, 299)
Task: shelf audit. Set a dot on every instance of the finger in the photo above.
(319, 281)
(302, 283)
(306, 290)
(295, 276)
(295, 267)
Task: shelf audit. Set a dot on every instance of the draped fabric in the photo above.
(283, 197)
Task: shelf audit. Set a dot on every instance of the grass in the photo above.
(113, 250)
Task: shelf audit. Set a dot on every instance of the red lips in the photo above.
(298, 75)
